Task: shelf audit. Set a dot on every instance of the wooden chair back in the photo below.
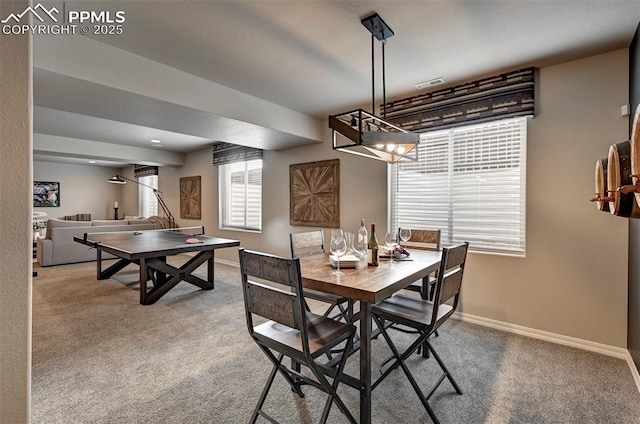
(450, 275)
(308, 243)
(424, 239)
(263, 298)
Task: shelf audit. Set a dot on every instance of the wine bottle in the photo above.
(363, 236)
(373, 247)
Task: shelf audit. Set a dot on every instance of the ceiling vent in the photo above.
(430, 83)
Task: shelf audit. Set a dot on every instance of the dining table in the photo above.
(367, 285)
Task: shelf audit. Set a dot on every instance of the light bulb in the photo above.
(390, 147)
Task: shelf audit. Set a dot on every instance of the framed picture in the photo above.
(190, 204)
(314, 194)
(46, 194)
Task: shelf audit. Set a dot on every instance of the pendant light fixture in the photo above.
(362, 133)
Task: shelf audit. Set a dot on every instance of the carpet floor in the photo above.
(101, 357)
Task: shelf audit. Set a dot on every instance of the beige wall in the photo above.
(83, 189)
(573, 281)
(15, 225)
(362, 195)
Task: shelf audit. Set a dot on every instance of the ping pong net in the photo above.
(166, 233)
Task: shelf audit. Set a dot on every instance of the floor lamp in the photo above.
(119, 179)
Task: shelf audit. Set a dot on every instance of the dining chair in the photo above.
(312, 243)
(425, 240)
(425, 316)
(272, 289)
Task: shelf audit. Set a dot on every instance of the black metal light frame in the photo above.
(362, 133)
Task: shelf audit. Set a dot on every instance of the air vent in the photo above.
(430, 83)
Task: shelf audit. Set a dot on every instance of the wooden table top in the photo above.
(371, 284)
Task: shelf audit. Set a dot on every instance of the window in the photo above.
(241, 195)
(469, 182)
(147, 201)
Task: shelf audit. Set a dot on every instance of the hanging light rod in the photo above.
(362, 133)
(119, 179)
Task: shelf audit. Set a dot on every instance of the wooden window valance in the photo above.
(502, 96)
(144, 170)
(224, 153)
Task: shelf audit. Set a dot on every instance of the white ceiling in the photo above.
(311, 57)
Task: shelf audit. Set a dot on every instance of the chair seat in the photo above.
(324, 297)
(410, 311)
(324, 333)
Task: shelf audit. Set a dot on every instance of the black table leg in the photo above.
(365, 363)
(143, 281)
(210, 269)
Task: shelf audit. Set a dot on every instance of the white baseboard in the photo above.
(227, 262)
(616, 352)
(634, 370)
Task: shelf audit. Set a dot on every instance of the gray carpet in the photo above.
(101, 357)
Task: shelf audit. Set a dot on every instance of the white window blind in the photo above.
(147, 201)
(241, 195)
(470, 183)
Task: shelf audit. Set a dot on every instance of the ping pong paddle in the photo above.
(193, 240)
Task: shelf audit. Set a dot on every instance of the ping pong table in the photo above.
(150, 248)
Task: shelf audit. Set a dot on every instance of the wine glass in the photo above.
(405, 235)
(337, 234)
(338, 248)
(391, 240)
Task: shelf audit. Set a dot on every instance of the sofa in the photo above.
(58, 246)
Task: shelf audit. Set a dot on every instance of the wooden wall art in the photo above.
(190, 204)
(314, 194)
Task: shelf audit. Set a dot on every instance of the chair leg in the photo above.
(431, 294)
(416, 389)
(265, 391)
(395, 353)
(444, 368)
(423, 349)
(400, 362)
(329, 310)
(426, 293)
(296, 387)
(293, 382)
(422, 341)
(331, 389)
